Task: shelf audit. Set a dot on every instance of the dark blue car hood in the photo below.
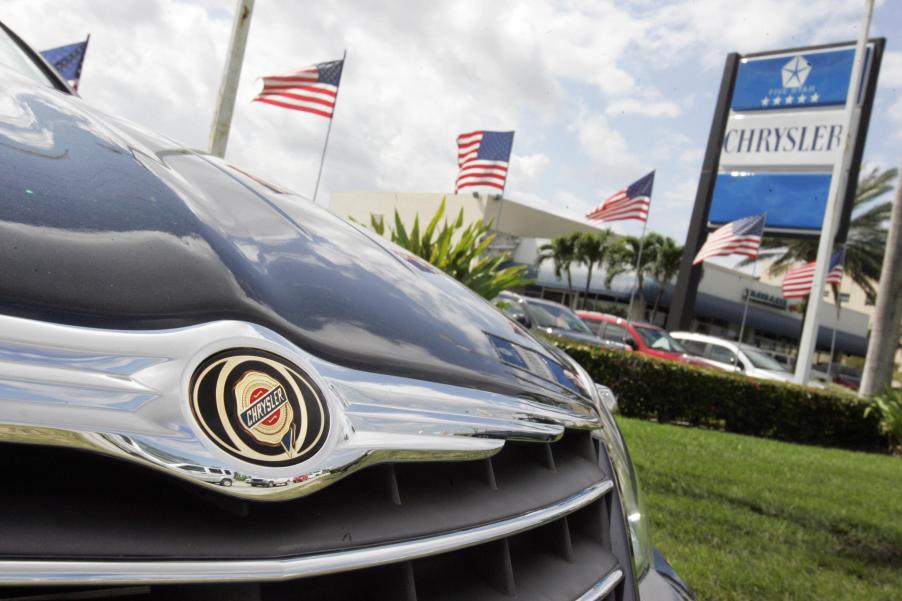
(106, 225)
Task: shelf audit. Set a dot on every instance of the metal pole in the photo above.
(322, 158)
(81, 67)
(748, 296)
(838, 182)
(833, 340)
(225, 106)
(629, 311)
(504, 188)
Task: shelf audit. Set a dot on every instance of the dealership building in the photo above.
(523, 226)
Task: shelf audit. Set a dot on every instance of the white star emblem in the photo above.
(815, 97)
(765, 101)
(789, 100)
(795, 72)
(802, 98)
(777, 100)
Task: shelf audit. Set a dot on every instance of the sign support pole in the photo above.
(322, 158)
(838, 183)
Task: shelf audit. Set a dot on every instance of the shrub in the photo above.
(670, 391)
(888, 406)
(461, 252)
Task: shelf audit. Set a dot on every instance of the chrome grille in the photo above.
(536, 521)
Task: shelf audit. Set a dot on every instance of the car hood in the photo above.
(104, 224)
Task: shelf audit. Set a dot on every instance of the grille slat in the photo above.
(561, 559)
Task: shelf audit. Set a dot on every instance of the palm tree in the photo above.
(622, 257)
(561, 251)
(864, 244)
(665, 267)
(591, 250)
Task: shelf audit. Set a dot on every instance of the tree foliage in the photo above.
(459, 251)
(665, 267)
(561, 251)
(592, 249)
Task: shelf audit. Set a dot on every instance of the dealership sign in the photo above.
(784, 132)
(797, 139)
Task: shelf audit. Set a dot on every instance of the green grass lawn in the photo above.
(749, 518)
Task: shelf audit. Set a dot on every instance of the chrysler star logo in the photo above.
(795, 72)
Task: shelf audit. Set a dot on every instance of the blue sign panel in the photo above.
(804, 80)
(794, 202)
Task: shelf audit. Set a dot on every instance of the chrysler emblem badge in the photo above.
(259, 407)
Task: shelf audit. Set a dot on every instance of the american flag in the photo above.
(312, 89)
(798, 281)
(740, 237)
(631, 202)
(67, 60)
(483, 158)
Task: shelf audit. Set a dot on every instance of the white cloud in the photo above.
(418, 74)
(606, 146)
(647, 108)
(528, 167)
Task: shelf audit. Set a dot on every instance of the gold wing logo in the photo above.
(259, 407)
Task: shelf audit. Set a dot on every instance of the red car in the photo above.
(644, 338)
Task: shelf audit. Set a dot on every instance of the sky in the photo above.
(598, 93)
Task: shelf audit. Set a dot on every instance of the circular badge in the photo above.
(259, 407)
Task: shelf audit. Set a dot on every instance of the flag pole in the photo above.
(322, 158)
(833, 340)
(629, 311)
(504, 185)
(748, 295)
(81, 67)
(836, 289)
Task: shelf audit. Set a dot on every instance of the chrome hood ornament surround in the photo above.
(258, 408)
(136, 395)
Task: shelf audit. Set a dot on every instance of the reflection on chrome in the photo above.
(124, 393)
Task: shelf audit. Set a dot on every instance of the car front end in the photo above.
(391, 435)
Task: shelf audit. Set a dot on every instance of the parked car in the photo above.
(153, 292)
(214, 475)
(641, 337)
(257, 481)
(733, 357)
(786, 360)
(552, 318)
(844, 375)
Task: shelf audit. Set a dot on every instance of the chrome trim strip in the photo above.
(174, 572)
(124, 393)
(603, 587)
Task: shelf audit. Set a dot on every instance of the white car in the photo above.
(213, 475)
(733, 357)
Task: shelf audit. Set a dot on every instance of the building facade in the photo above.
(771, 322)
